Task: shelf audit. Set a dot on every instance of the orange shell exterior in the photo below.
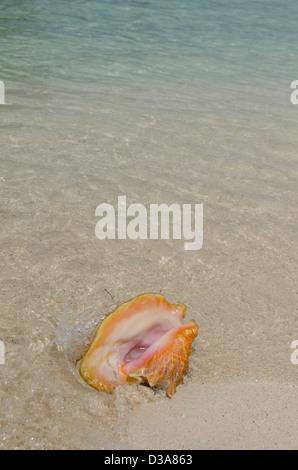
(166, 368)
(163, 363)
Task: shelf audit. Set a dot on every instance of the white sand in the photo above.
(236, 415)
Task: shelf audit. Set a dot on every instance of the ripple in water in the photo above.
(74, 335)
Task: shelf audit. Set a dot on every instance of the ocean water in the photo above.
(163, 102)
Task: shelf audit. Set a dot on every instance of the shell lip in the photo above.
(149, 352)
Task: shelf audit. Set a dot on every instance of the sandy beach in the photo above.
(239, 414)
(68, 146)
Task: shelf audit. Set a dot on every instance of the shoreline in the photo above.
(239, 414)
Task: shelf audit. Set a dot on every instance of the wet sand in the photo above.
(56, 167)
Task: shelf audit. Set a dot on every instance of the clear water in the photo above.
(87, 63)
(138, 42)
(161, 101)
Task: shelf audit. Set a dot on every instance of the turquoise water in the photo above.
(135, 42)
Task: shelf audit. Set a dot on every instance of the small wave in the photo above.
(74, 334)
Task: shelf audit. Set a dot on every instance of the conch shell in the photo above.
(143, 340)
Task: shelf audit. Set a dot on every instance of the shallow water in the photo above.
(178, 102)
